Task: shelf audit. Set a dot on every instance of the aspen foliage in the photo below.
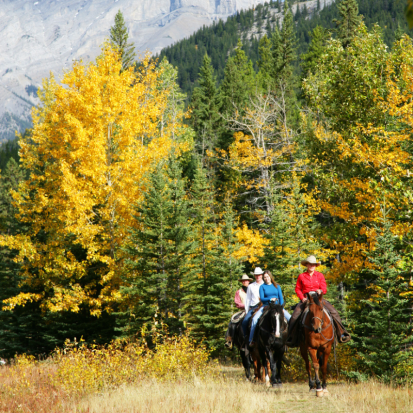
(368, 166)
(93, 139)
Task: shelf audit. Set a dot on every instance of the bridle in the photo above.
(322, 323)
(272, 333)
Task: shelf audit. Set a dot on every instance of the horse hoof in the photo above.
(319, 393)
(325, 391)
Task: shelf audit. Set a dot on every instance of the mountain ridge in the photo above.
(48, 35)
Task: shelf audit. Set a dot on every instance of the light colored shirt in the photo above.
(253, 295)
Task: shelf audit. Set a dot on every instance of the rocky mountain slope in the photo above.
(39, 36)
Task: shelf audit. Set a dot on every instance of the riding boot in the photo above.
(342, 335)
(293, 339)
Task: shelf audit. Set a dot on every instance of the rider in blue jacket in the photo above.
(269, 290)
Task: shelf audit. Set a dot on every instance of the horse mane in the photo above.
(316, 300)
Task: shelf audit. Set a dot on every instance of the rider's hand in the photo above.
(319, 292)
(304, 300)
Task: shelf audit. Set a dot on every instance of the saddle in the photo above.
(237, 317)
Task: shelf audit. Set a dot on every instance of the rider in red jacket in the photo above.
(312, 280)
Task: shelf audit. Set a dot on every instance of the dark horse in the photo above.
(318, 340)
(235, 331)
(272, 332)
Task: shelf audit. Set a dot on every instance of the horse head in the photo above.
(277, 319)
(315, 309)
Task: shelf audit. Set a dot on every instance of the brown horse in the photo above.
(318, 341)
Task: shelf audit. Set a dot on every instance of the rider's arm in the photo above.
(263, 297)
(280, 296)
(323, 284)
(238, 301)
(248, 300)
(299, 288)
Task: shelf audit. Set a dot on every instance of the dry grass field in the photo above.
(234, 394)
(89, 381)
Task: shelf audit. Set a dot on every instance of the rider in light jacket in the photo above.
(268, 291)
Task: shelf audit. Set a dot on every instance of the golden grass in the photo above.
(235, 394)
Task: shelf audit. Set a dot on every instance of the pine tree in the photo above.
(383, 328)
(266, 65)
(238, 86)
(291, 233)
(310, 60)
(287, 47)
(205, 109)
(231, 266)
(349, 21)
(284, 55)
(239, 81)
(159, 253)
(208, 287)
(119, 39)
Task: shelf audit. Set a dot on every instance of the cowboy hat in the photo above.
(311, 260)
(245, 278)
(257, 271)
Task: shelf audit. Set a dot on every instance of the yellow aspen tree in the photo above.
(94, 138)
(377, 162)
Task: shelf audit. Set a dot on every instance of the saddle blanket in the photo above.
(238, 316)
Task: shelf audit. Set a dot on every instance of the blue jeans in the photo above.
(247, 319)
(257, 317)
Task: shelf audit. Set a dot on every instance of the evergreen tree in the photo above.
(266, 65)
(236, 89)
(349, 21)
(383, 328)
(239, 81)
(119, 39)
(208, 288)
(286, 49)
(311, 59)
(231, 267)
(291, 232)
(159, 249)
(205, 109)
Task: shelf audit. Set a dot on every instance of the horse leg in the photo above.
(246, 363)
(273, 366)
(324, 367)
(279, 364)
(313, 355)
(304, 355)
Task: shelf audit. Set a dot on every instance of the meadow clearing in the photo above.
(176, 378)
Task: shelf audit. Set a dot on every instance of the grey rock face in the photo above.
(43, 36)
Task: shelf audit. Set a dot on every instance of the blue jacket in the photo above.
(270, 291)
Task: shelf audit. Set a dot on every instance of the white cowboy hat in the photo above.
(257, 271)
(245, 278)
(311, 260)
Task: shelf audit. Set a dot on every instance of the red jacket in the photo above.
(305, 283)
